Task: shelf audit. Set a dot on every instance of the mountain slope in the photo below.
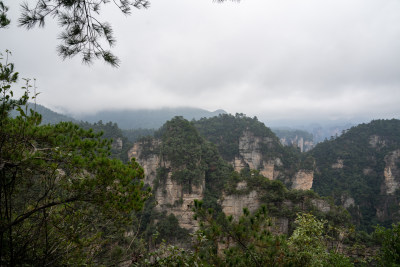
(247, 143)
(181, 166)
(48, 116)
(361, 170)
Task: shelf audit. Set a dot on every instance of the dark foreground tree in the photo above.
(4, 20)
(63, 201)
(83, 31)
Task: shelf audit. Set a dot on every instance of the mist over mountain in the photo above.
(140, 122)
(48, 116)
(147, 118)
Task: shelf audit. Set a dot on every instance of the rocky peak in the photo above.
(250, 154)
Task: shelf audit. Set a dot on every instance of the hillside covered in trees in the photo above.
(219, 191)
(360, 170)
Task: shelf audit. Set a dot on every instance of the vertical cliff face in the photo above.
(233, 205)
(392, 172)
(146, 155)
(296, 141)
(170, 195)
(251, 155)
(172, 198)
(303, 180)
(281, 204)
(253, 152)
(300, 139)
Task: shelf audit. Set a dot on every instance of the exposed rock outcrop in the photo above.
(251, 155)
(117, 144)
(376, 141)
(233, 205)
(169, 195)
(303, 180)
(172, 198)
(304, 145)
(252, 149)
(338, 164)
(391, 172)
(150, 163)
(347, 201)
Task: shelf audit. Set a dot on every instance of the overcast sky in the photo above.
(274, 59)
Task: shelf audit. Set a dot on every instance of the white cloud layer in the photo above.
(311, 59)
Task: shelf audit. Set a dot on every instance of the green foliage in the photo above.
(283, 203)
(63, 201)
(251, 240)
(362, 174)
(4, 20)
(225, 130)
(191, 158)
(48, 116)
(120, 144)
(170, 231)
(307, 244)
(245, 242)
(134, 135)
(170, 255)
(389, 254)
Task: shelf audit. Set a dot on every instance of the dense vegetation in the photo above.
(63, 200)
(67, 200)
(362, 151)
(120, 144)
(48, 116)
(192, 158)
(226, 130)
(134, 135)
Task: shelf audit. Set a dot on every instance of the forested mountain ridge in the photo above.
(182, 166)
(147, 118)
(366, 184)
(48, 116)
(247, 143)
(361, 171)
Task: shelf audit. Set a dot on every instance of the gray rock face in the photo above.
(392, 172)
(303, 180)
(233, 205)
(169, 195)
(251, 155)
(117, 144)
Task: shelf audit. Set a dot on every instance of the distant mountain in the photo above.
(148, 118)
(48, 116)
(294, 137)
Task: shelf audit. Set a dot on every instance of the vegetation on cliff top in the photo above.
(361, 151)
